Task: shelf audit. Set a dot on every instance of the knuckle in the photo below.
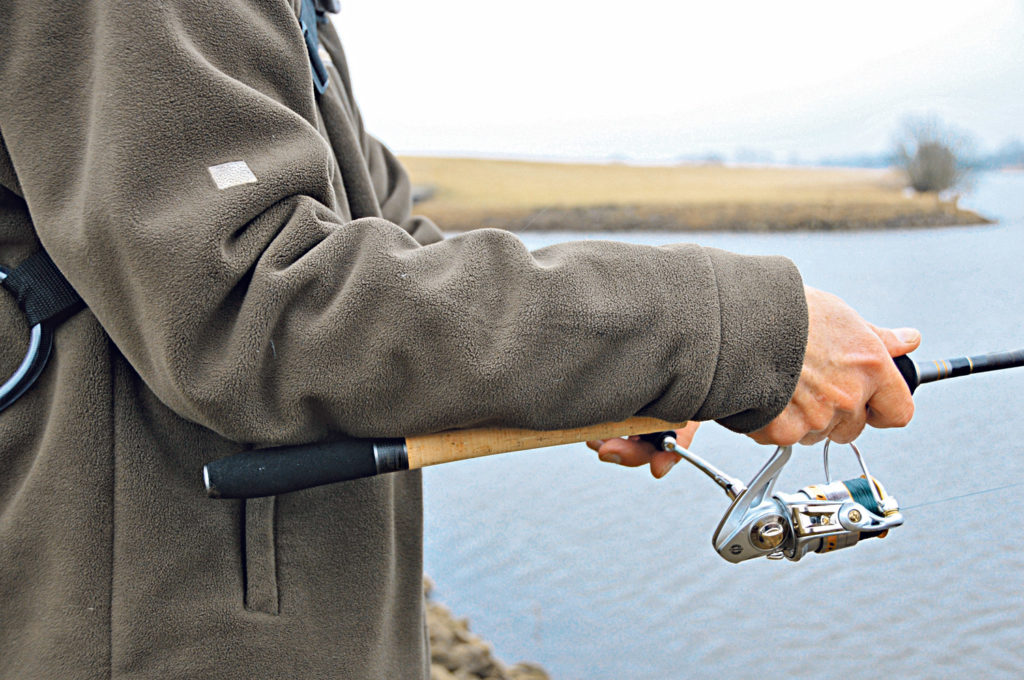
(788, 436)
(878, 359)
(848, 403)
(819, 422)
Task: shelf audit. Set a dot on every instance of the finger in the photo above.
(898, 341)
(787, 429)
(684, 437)
(892, 408)
(662, 462)
(848, 427)
(891, 405)
(818, 430)
(806, 420)
(595, 444)
(812, 438)
(626, 452)
(848, 433)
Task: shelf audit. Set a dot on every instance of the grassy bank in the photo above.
(516, 195)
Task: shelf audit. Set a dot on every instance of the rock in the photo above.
(457, 654)
(439, 672)
(527, 671)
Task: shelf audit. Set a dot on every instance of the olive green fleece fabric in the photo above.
(293, 308)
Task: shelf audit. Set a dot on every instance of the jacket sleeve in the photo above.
(248, 303)
(391, 183)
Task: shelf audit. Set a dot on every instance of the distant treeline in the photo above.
(1010, 155)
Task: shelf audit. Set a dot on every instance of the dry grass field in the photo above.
(516, 195)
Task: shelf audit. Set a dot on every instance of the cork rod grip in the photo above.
(268, 472)
(446, 447)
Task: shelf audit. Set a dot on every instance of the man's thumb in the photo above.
(899, 341)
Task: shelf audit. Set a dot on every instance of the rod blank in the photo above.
(920, 372)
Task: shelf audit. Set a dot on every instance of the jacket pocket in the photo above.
(259, 555)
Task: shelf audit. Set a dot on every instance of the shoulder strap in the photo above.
(42, 291)
(47, 299)
(308, 19)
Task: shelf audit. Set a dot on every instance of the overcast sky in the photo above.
(656, 80)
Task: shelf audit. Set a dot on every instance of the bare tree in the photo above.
(933, 156)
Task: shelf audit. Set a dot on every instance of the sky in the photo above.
(653, 80)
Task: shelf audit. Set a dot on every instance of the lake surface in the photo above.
(601, 572)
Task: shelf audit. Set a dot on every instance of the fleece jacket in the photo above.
(253, 277)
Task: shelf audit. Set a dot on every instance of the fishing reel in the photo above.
(818, 518)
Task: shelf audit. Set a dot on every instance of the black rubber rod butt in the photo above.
(269, 472)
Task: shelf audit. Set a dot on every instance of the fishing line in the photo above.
(966, 495)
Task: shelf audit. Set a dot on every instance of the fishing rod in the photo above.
(273, 471)
(759, 522)
(920, 372)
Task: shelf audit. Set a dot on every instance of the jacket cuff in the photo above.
(763, 311)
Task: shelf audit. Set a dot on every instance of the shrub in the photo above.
(933, 157)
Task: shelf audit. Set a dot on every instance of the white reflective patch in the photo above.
(227, 175)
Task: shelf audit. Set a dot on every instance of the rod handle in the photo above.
(446, 447)
(272, 471)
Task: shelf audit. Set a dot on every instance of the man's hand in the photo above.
(633, 452)
(848, 378)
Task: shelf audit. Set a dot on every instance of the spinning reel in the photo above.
(818, 518)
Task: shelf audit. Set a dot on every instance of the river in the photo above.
(600, 572)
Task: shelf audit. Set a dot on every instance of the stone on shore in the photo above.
(458, 654)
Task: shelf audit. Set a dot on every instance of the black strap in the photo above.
(308, 19)
(42, 291)
(325, 6)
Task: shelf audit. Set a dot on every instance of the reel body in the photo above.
(817, 518)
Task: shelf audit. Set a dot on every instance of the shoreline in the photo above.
(458, 654)
(461, 194)
(721, 218)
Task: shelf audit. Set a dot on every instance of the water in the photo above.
(599, 572)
